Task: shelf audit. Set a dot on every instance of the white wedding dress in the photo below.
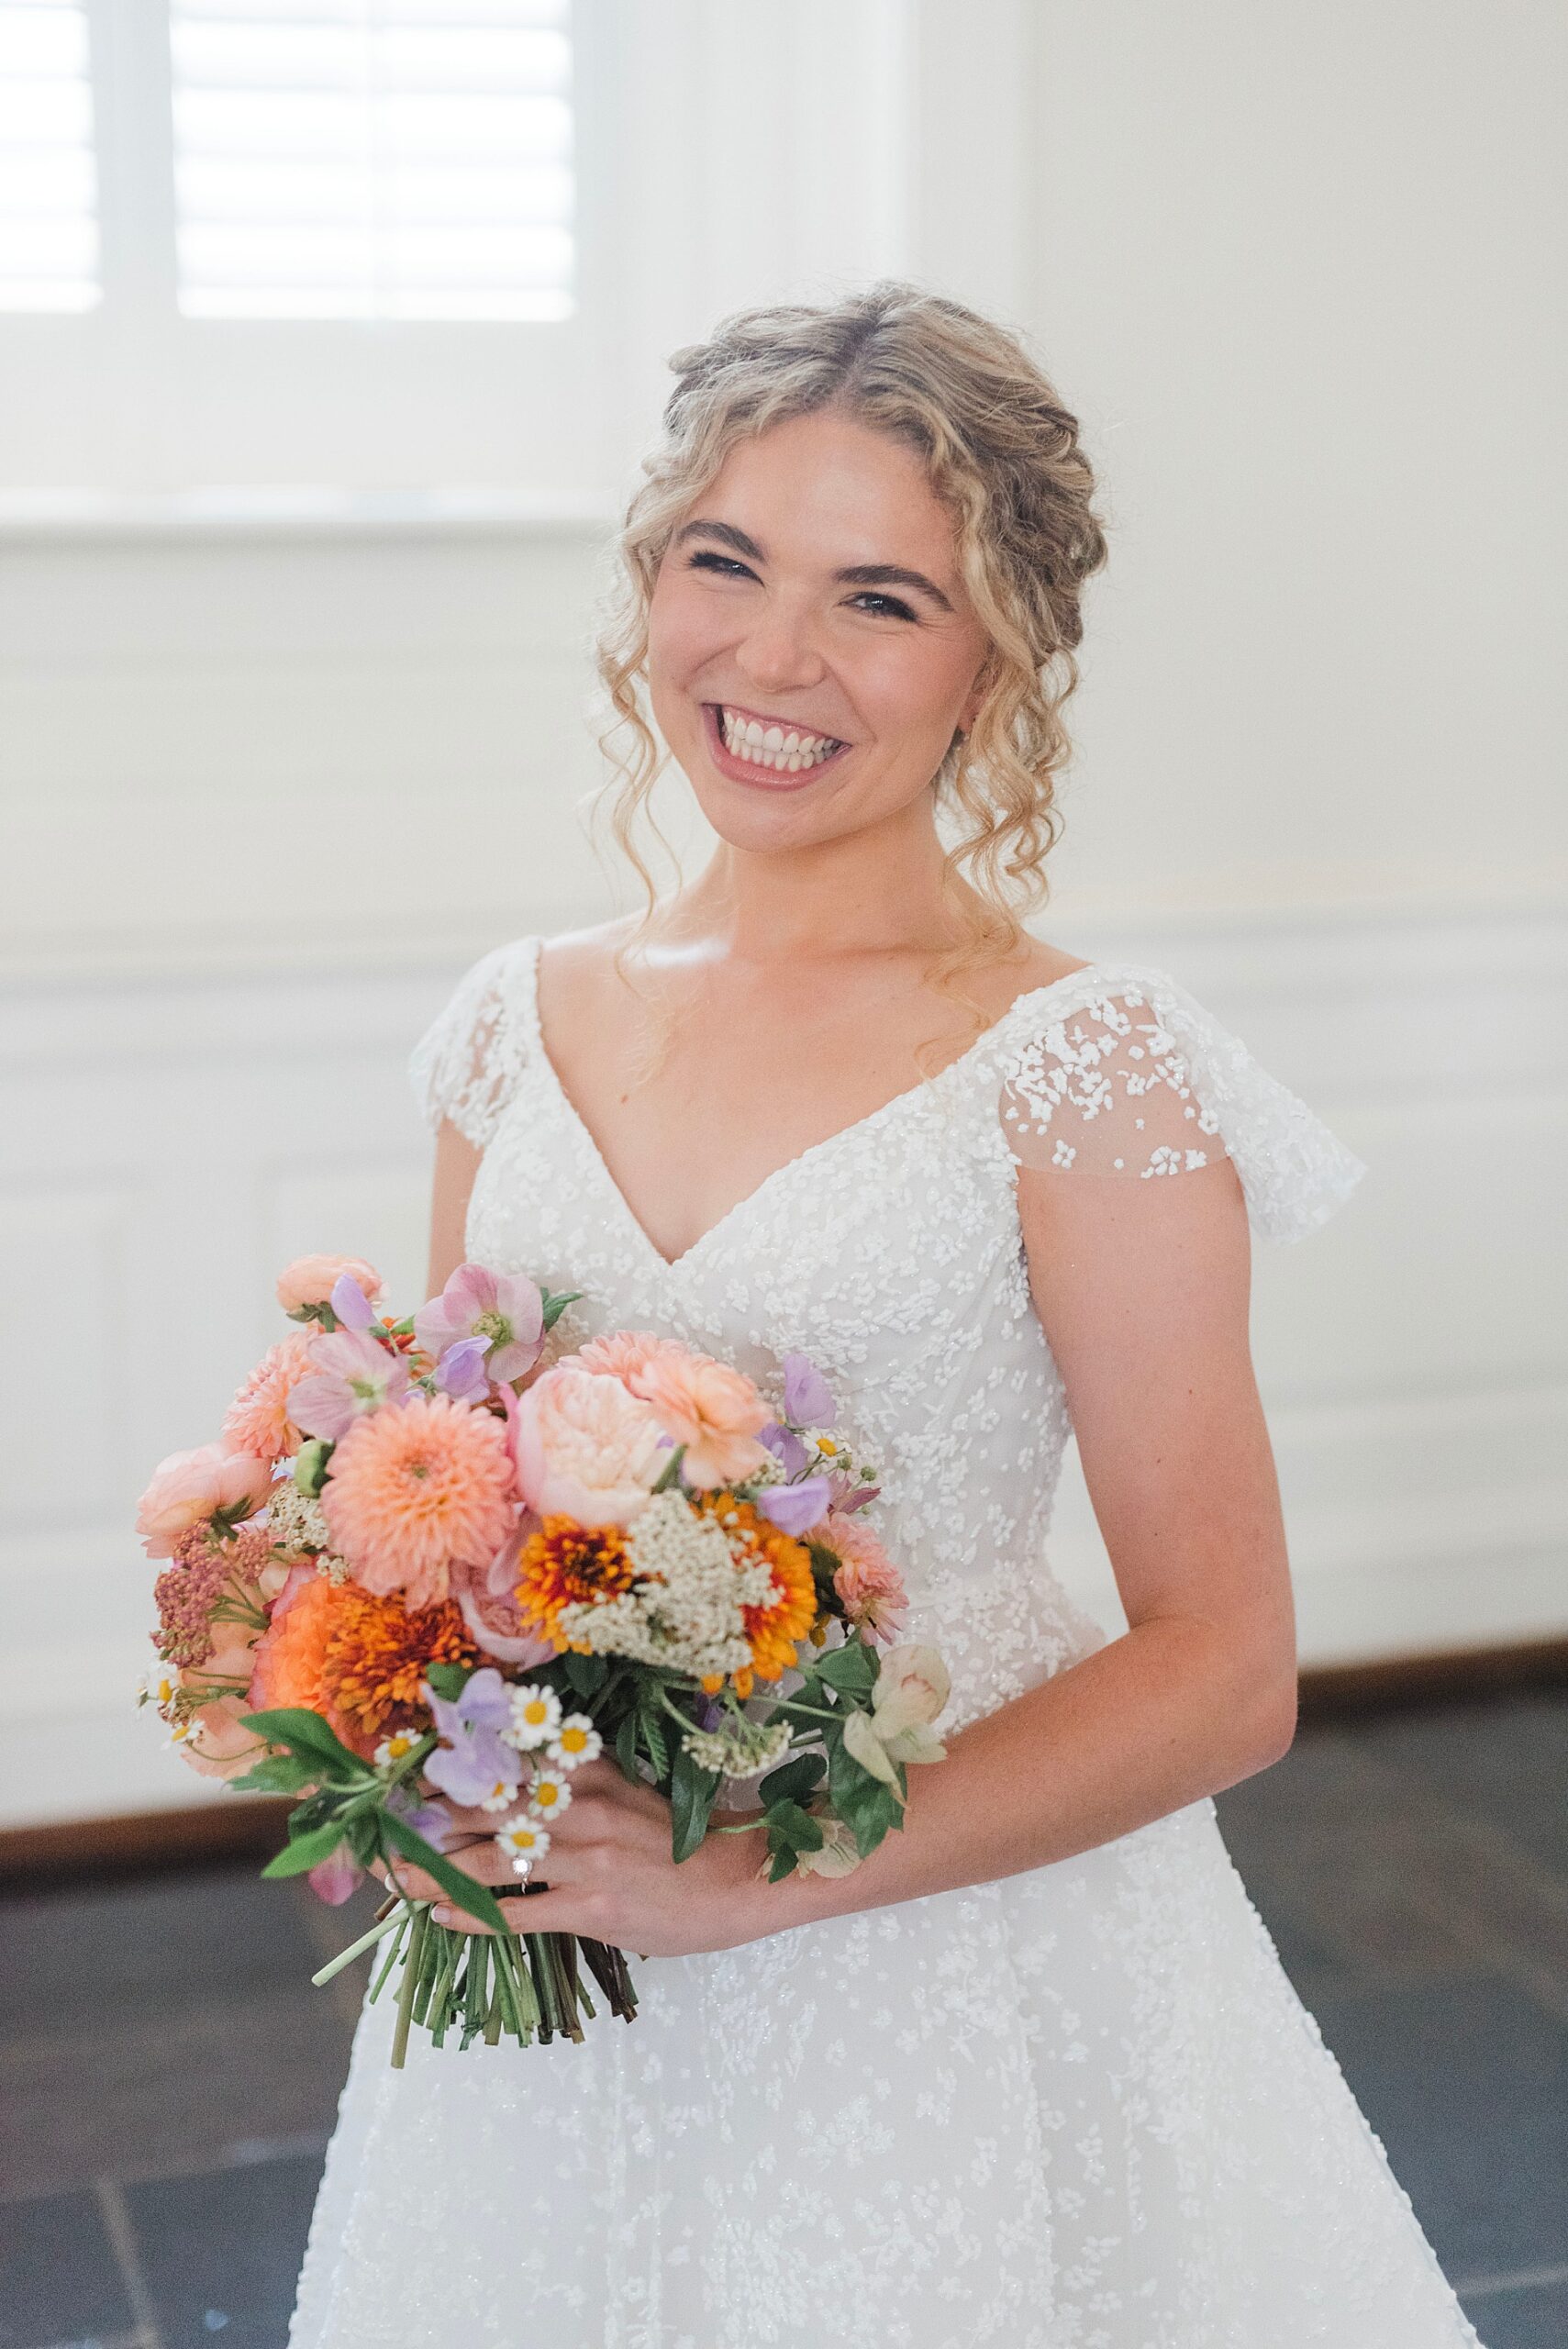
(1081, 2108)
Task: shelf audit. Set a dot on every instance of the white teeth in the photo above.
(788, 752)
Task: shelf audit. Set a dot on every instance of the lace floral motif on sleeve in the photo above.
(467, 1063)
(1136, 1078)
(1107, 1090)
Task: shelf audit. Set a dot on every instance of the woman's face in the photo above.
(810, 594)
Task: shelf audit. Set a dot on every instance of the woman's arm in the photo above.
(457, 1162)
(1143, 1288)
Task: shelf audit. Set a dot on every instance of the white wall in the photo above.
(271, 782)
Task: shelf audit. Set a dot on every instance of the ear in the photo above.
(976, 696)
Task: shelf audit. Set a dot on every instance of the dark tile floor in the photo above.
(168, 2076)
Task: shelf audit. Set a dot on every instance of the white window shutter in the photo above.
(48, 186)
(373, 159)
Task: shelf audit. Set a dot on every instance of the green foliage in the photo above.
(586, 1674)
(672, 1470)
(278, 1773)
(793, 1780)
(852, 1669)
(556, 1302)
(307, 1850)
(307, 1736)
(867, 1807)
(449, 1680)
(462, 1890)
(626, 1747)
(650, 1718)
(691, 1792)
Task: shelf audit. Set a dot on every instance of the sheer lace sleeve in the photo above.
(1133, 1078)
(467, 1063)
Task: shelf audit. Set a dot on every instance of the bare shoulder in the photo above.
(1033, 963)
(577, 973)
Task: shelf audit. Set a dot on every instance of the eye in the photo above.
(727, 566)
(893, 606)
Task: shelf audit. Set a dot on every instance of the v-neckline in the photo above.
(872, 1118)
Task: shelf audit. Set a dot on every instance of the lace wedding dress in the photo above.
(1080, 2108)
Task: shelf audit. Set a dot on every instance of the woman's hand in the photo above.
(609, 1873)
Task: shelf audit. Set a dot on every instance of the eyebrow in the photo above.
(852, 574)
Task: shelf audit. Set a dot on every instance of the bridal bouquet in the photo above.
(417, 1564)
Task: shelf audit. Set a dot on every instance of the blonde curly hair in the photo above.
(1001, 453)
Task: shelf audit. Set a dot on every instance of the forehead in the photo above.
(824, 490)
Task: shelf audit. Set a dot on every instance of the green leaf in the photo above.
(449, 1680)
(308, 1735)
(280, 1774)
(867, 1807)
(586, 1674)
(793, 1780)
(556, 1303)
(653, 1735)
(852, 1669)
(692, 1793)
(626, 1748)
(787, 1824)
(304, 1852)
(463, 1891)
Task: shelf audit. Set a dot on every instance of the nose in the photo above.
(778, 652)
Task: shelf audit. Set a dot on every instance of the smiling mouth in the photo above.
(769, 746)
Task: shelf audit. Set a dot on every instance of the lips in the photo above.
(749, 771)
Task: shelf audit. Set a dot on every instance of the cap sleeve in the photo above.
(1126, 1075)
(467, 1064)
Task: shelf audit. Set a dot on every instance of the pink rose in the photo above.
(714, 1411)
(310, 1280)
(585, 1448)
(192, 1487)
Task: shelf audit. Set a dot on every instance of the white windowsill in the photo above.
(302, 511)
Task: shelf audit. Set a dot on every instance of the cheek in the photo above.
(682, 633)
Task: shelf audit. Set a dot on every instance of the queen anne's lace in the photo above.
(1076, 2109)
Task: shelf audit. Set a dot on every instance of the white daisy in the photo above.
(522, 1843)
(575, 1740)
(536, 1717)
(502, 1793)
(397, 1748)
(550, 1793)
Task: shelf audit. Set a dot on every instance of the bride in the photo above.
(1032, 2074)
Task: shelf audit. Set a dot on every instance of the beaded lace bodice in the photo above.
(891, 1255)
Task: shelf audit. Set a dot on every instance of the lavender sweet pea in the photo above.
(504, 1311)
(795, 1509)
(475, 1767)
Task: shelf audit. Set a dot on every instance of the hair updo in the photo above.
(1000, 451)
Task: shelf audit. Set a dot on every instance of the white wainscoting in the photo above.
(172, 1140)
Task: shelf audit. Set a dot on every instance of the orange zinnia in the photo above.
(355, 1659)
(568, 1565)
(774, 1626)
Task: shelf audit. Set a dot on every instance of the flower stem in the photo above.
(412, 1969)
(357, 1949)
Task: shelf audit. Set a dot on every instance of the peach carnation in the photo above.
(258, 1420)
(714, 1410)
(866, 1579)
(585, 1447)
(310, 1280)
(409, 1490)
(625, 1354)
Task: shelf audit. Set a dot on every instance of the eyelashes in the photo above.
(728, 566)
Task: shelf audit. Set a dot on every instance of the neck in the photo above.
(882, 889)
